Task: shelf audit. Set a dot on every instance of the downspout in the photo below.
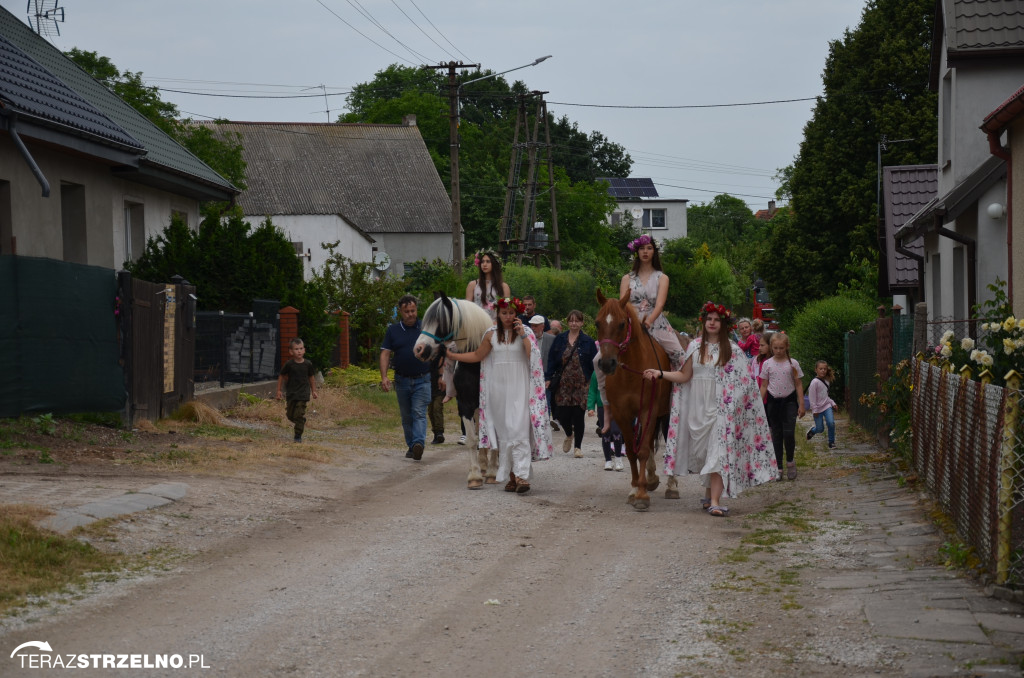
(996, 149)
(12, 119)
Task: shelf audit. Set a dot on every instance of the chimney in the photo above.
(771, 209)
(409, 120)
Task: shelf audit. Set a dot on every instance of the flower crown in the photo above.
(481, 252)
(640, 242)
(711, 307)
(505, 302)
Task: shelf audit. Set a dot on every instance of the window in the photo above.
(134, 230)
(654, 219)
(616, 218)
(72, 223)
(180, 216)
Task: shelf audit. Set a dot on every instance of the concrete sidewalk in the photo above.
(66, 519)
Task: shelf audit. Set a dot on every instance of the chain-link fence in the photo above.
(966, 449)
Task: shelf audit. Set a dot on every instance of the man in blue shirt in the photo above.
(412, 375)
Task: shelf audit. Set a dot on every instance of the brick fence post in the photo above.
(289, 330)
(344, 350)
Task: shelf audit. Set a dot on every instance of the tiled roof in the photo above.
(380, 178)
(906, 189)
(162, 152)
(30, 89)
(983, 26)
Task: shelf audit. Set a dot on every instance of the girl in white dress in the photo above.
(489, 286)
(513, 407)
(717, 424)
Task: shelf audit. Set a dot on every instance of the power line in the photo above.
(366, 13)
(747, 103)
(411, 20)
(319, 2)
(413, 3)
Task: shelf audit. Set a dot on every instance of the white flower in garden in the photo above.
(947, 336)
(946, 351)
(967, 343)
(1008, 346)
(1020, 324)
(1009, 323)
(987, 360)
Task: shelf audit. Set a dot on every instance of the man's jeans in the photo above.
(413, 397)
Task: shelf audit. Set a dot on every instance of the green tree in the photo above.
(222, 153)
(876, 84)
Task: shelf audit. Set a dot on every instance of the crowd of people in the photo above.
(737, 391)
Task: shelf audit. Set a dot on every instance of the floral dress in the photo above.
(644, 297)
(513, 407)
(488, 303)
(717, 424)
(572, 389)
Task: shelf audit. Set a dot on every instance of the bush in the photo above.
(817, 334)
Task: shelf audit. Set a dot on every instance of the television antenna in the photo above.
(45, 17)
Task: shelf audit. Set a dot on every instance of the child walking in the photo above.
(822, 407)
(783, 394)
(611, 442)
(299, 380)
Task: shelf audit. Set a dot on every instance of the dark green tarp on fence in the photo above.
(58, 338)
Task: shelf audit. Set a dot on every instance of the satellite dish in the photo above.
(381, 261)
(637, 212)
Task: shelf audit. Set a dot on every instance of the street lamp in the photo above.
(454, 153)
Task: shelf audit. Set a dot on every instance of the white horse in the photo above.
(447, 320)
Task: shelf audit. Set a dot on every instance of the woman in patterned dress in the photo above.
(717, 424)
(573, 352)
(646, 287)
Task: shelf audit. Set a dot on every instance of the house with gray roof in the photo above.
(84, 177)
(977, 60)
(905, 190)
(1005, 129)
(371, 188)
(638, 202)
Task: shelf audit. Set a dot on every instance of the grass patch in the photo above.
(35, 562)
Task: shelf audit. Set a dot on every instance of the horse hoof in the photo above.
(631, 500)
(653, 485)
(474, 484)
(641, 504)
(671, 494)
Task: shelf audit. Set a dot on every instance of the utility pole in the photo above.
(453, 154)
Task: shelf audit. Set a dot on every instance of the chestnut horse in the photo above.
(639, 407)
(448, 319)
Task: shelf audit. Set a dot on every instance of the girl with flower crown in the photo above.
(717, 423)
(513, 408)
(646, 287)
(489, 286)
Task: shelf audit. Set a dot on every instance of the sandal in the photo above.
(523, 487)
(705, 503)
(718, 511)
(510, 486)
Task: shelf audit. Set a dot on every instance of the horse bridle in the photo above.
(454, 331)
(622, 344)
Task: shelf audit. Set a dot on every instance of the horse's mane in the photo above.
(469, 320)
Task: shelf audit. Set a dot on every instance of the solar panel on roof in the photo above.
(630, 187)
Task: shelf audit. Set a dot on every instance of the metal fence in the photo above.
(236, 348)
(967, 447)
(861, 368)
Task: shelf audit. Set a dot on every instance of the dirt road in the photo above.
(387, 567)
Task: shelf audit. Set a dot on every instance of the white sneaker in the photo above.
(618, 463)
(609, 465)
(567, 444)
(462, 439)
(578, 453)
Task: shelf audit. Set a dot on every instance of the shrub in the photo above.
(817, 334)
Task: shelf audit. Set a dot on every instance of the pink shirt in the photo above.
(817, 393)
(779, 375)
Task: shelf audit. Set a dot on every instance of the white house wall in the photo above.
(992, 256)
(313, 230)
(675, 217)
(406, 248)
(35, 221)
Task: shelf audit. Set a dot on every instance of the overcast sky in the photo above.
(611, 55)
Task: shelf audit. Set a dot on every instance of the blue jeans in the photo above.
(830, 420)
(413, 397)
